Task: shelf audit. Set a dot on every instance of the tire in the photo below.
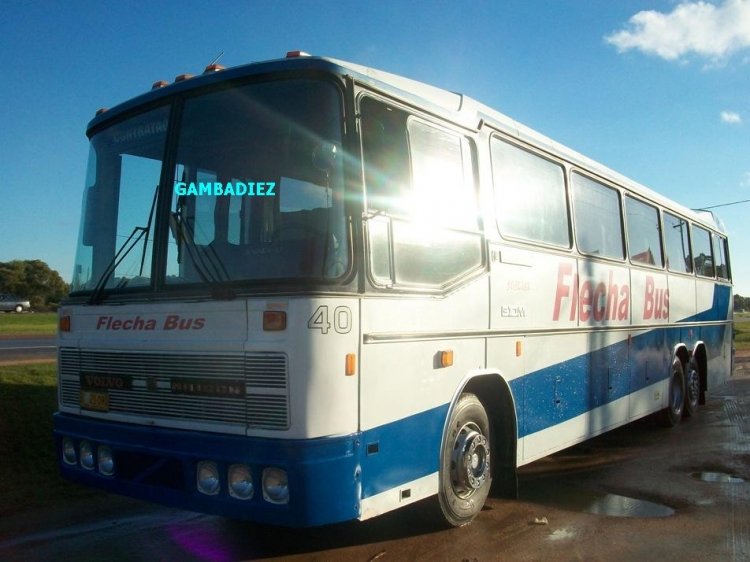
(19, 308)
(465, 469)
(692, 388)
(672, 414)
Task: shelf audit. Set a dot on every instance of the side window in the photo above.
(419, 177)
(598, 220)
(704, 262)
(677, 244)
(529, 195)
(722, 257)
(442, 176)
(644, 240)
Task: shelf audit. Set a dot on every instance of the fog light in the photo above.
(105, 460)
(240, 482)
(207, 478)
(69, 451)
(87, 455)
(275, 485)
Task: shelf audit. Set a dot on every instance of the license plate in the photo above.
(97, 401)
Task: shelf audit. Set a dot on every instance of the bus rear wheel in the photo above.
(672, 414)
(692, 388)
(465, 469)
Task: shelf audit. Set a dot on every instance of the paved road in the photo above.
(37, 348)
(639, 493)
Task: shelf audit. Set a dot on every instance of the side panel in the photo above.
(405, 393)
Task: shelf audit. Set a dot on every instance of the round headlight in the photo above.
(87, 455)
(105, 460)
(240, 482)
(275, 485)
(69, 451)
(207, 478)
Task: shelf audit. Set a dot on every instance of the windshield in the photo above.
(256, 191)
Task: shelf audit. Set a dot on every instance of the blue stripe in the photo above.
(407, 449)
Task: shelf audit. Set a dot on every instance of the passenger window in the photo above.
(529, 195)
(598, 220)
(704, 262)
(644, 241)
(677, 244)
(722, 260)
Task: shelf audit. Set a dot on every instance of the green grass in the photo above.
(28, 468)
(742, 331)
(37, 324)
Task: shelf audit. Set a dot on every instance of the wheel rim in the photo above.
(677, 394)
(470, 460)
(693, 385)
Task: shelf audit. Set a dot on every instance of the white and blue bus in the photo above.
(307, 291)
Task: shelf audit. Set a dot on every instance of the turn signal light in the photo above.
(446, 358)
(274, 320)
(351, 364)
(64, 323)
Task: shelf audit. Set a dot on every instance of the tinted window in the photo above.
(677, 244)
(596, 208)
(529, 195)
(644, 242)
(722, 259)
(704, 263)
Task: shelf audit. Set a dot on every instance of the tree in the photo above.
(34, 280)
(741, 303)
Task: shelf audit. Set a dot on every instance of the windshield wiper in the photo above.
(211, 269)
(96, 295)
(141, 231)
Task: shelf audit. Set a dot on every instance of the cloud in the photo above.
(730, 117)
(711, 31)
(745, 180)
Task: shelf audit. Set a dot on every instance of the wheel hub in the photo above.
(470, 466)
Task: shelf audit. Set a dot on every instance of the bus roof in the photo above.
(456, 107)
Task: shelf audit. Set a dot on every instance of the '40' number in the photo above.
(342, 319)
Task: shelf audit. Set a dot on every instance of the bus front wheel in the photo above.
(465, 471)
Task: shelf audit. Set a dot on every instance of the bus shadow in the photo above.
(256, 540)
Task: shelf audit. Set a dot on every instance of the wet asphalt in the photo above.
(641, 492)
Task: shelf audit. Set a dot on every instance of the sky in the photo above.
(657, 90)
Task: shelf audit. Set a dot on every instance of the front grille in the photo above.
(249, 389)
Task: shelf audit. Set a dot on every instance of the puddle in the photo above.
(720, 477)
(597, 503)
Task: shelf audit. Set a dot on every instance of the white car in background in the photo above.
(12, 303)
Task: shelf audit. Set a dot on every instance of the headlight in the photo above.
(240, 482)
(207, 478)
(105, 460)
(87, 455)
(69, 451)
(275, 485)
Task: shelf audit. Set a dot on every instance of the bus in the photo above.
(308, 291)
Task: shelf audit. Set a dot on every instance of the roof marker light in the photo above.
(159, 84)
(183, 77)
(213, 68)
(296, 54)
(101, 110)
